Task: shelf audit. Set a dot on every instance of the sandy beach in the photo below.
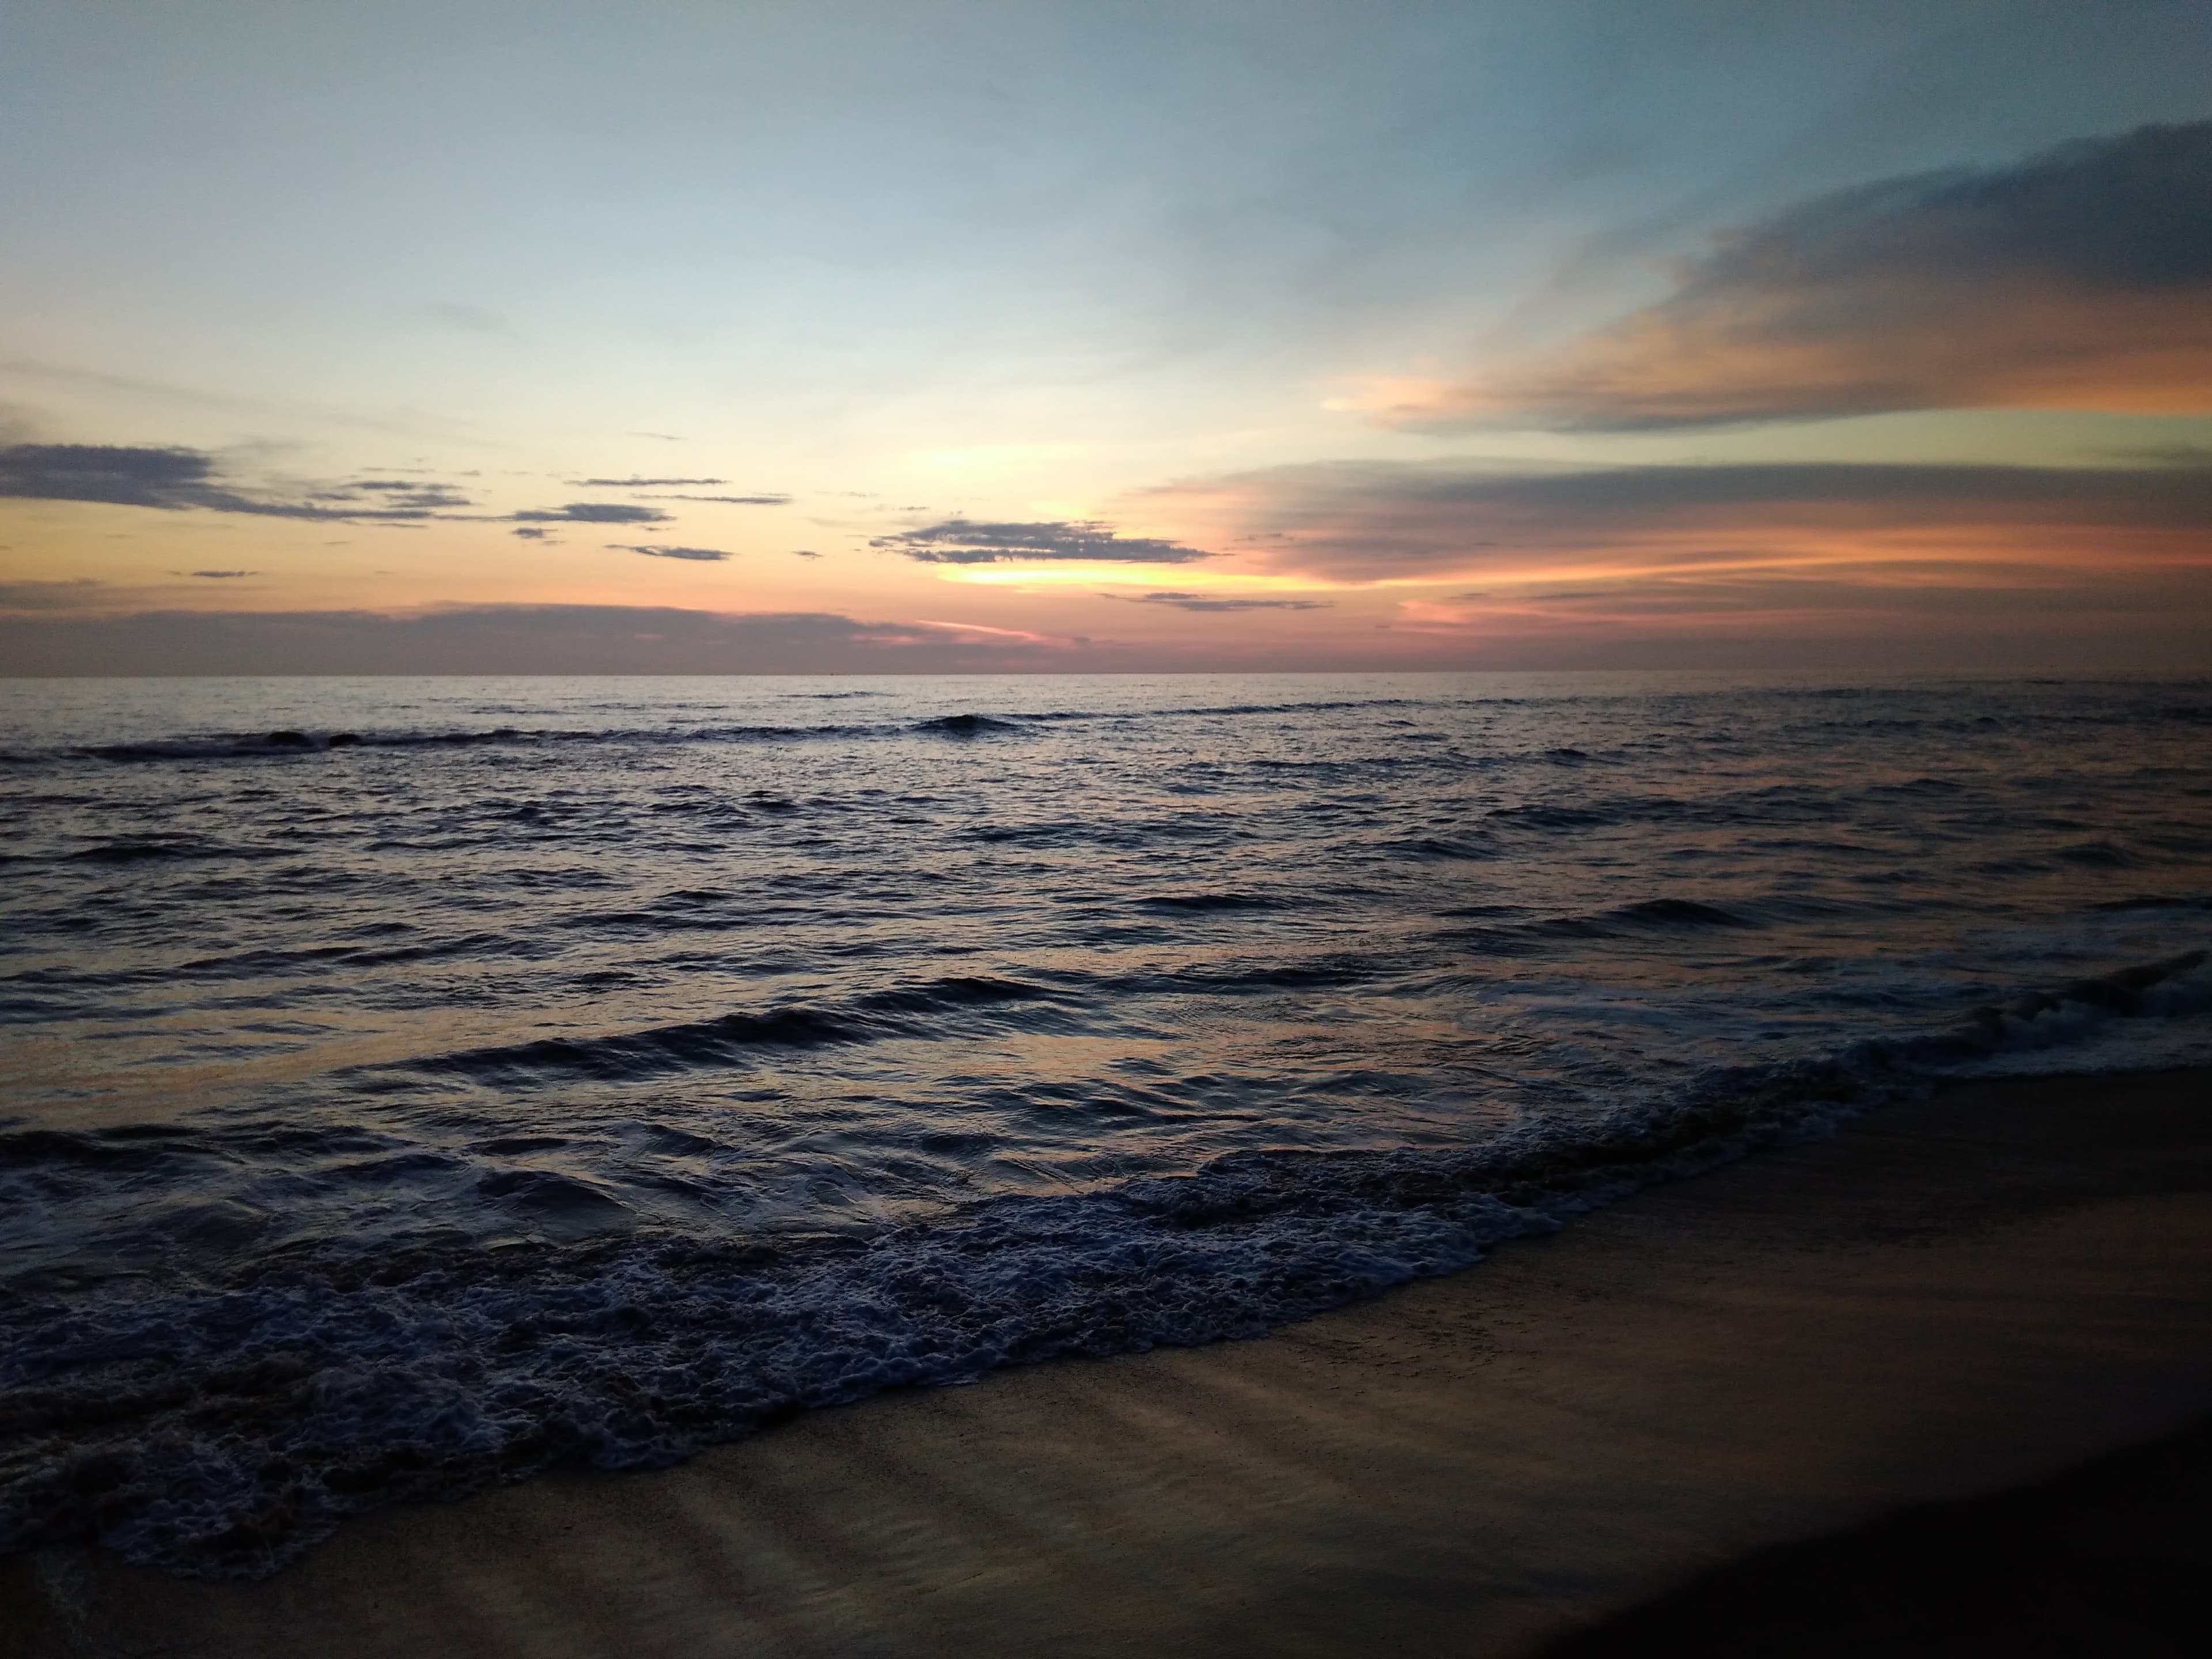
(1978, 1291)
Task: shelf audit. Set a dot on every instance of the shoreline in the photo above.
(1948, 1297)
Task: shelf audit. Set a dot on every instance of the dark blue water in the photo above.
(590, 1069)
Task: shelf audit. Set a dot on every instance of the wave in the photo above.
(281, 745)
(295, 744)
(143, 849)
(2042, 1019)
(964, 725)
(1871, 711)
(1508, 930)
(731, 1039)
(219, 1429)
(1202, 904)
(1231, 977)
(1679, 912)
(1441, 846)
(130, 1147)
(291, 743)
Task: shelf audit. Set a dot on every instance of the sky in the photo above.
(1215, 335)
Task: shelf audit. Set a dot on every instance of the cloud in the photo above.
(803, 553)
(172, 479)
(395, 496)
(2081, 278)
(532, 533)
(591, 512)
(117, 474)
(218, 575)
(1441, 521)
(959, 541)
(731, 501)
(640, 484)
(705, 555)
(1202, 602)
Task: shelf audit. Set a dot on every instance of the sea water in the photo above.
(414, 1083)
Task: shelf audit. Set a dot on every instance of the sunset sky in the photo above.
(483, 337)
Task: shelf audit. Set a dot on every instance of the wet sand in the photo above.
(1949, 1298)
(2111, 1557)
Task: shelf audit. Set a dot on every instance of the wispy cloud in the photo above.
(641, 483)
(702, 555)
(1206, 602)
(397, 495)
(2081, 278)
(218, 575)
(961, 541)
(731, 501)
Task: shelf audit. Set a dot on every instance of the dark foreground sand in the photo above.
(1949, 1298)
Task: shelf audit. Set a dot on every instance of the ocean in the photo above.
(414, 1084)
